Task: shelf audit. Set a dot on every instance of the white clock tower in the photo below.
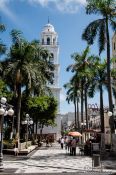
(49, 41)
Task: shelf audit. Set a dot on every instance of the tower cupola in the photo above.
(48, 35)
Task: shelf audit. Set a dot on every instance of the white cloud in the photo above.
(4, 8)
(41, 2)
(65, 6)
(69, 6)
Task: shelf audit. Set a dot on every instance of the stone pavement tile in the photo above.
(9, 170)
(62, 173)
(51, 160)
(109, 164)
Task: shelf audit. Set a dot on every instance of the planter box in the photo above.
(23, 145)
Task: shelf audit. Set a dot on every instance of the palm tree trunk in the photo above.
(75, 114)
(36, 127)
(18, 111)
(101, 109)
(86, 115)
(78, 125)
(41, 132)
(109, 77)
(82, 102)
(102, 123)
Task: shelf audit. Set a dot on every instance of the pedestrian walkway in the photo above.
(52, 160)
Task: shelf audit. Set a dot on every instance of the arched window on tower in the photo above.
(48, 41)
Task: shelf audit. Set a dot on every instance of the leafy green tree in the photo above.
(4, 91)
(43, 110)
(100, 27)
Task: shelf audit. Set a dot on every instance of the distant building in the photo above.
(67, 120)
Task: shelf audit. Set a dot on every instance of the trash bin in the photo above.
(96, 160)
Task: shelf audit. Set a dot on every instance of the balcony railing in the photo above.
(49, 43)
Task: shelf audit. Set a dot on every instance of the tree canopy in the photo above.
(43, 109)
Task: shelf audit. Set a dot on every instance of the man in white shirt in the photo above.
(62, 142)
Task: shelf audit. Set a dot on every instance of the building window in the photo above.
(48, 41)
(114, 46)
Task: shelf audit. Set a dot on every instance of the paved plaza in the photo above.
(53, 160)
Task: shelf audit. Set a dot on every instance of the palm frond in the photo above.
(113, 24)
(90, 31)
(2, 27)
(102, 36)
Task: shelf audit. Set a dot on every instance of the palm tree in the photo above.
(73, 96)
(100, 28)
(82, 67)
(78, 67)
(97, 83)
(2, 46)
(26, 66)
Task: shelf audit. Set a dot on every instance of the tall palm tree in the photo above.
(27, 67)
(100, 28)
(78, 67)
(75, 82)
(2, 46)
(73, 95)
(97, 83)
(82, 67)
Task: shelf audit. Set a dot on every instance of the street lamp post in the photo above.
(112, 116)
(28, 121)
(3, 111)
(61, 126)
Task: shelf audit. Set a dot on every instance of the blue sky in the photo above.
(69, 19)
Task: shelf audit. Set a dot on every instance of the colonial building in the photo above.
(49, 40)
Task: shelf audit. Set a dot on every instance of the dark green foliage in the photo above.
(43, 109)
(4, 92)
(2, 46)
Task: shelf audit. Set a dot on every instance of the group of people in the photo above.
(49, 141)
(69, 144)
(88, 147)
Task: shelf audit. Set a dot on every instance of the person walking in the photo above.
(66, 142)
(73, 145)
(62, 142)
(47, 141)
